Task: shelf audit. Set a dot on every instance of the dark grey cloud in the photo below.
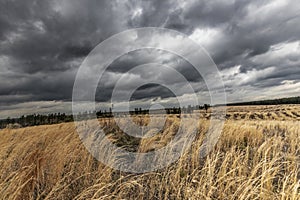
(122, 65)
(44, 35)
(42, 44)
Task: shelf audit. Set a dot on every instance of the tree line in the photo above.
(289, 100)
(37, 119)
(56, 118)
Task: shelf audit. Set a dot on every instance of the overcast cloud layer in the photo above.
(255, 44)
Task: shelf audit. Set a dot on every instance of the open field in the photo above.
(256, 157)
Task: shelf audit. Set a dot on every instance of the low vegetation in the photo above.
(256, 157)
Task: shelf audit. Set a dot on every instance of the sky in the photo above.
(255, 45)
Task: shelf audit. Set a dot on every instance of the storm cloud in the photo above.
(255, 44)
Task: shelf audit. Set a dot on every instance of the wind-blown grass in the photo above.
(256, 158)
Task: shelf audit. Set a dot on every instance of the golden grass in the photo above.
(257, 157)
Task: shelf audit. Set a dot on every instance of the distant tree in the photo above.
(8, 120)
(206, 106)
(189, 109)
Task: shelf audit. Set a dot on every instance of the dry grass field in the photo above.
(256, 157)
